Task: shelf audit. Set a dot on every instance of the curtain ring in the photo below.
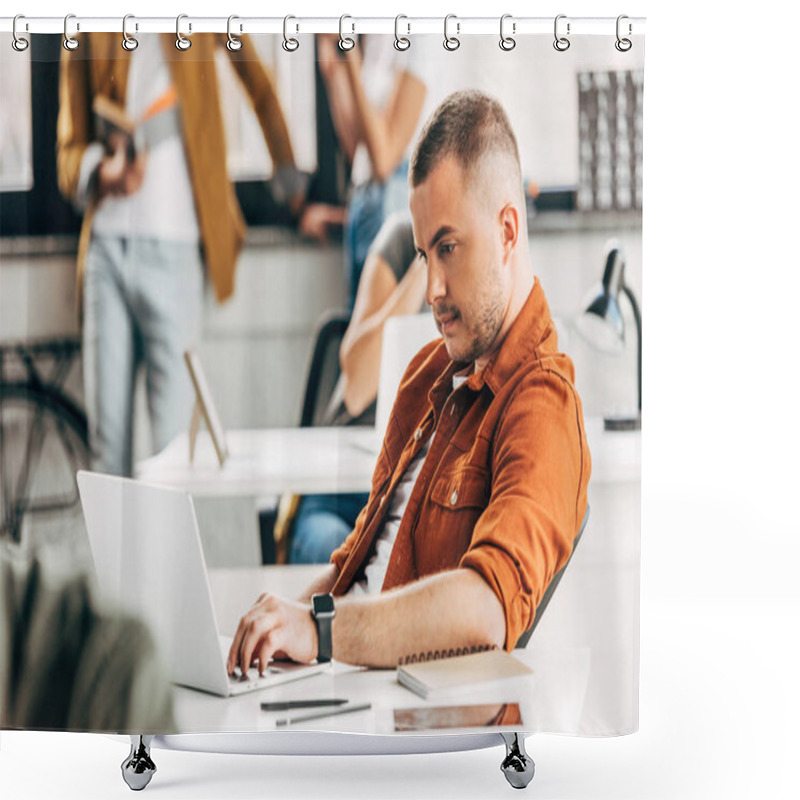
(345, 42)
(451, 42)
(561, 43)
(623, 45)
(129, 42)
(401, 43)
(233, 44)
(182, 42)
(70, 42)
(19, 43)
(290, 44)
(507, 42)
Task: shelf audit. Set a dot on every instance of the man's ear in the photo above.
(509, 230)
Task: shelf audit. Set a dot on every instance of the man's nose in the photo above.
(436, 288)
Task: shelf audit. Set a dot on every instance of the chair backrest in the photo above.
(540, 609)
(323, 371)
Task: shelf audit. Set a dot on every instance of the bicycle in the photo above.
(44, 441)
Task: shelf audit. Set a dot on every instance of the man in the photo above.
(159, 217)
(480, 487)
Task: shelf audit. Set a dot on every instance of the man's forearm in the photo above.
(321, 585)
(446, 611)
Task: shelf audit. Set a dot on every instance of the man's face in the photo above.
(460, 237)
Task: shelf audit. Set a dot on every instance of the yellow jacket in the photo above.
(100, 66)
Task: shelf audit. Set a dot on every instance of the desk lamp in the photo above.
(602, 326)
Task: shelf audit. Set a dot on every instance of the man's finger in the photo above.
(268, 647)
(258, 633)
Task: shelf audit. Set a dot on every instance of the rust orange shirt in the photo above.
(503, 487)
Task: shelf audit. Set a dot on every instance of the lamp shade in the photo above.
(601, 322)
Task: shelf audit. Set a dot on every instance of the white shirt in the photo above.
(375, 571)
(381, 65)
(163, 208)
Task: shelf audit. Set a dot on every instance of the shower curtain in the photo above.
(309, 215)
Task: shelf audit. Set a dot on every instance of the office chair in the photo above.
(553, 585)
(323, 370)
(322, 378)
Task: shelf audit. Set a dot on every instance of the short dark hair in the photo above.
(467, 125)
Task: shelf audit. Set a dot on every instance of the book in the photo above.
(159, 121)
(486, 715)
(442, 675)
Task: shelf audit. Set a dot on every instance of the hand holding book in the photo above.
(126, 141)
(118, 174)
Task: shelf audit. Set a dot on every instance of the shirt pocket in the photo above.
(457, 499)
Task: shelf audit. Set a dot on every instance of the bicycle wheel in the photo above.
(43, 443)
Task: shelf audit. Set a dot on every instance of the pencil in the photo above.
(333, 713)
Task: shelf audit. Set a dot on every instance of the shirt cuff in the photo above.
(503, 579)
(90, 161)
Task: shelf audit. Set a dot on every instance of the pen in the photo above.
(309, 717)
(288, 705)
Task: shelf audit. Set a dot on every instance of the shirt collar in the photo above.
(533, 330)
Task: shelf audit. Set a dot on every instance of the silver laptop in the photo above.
(149, 562)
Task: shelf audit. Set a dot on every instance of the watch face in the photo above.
(323, 604)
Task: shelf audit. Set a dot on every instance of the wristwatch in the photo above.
(323, 612)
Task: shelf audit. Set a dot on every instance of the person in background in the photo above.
(160, 216)
(392, 283)
(376, 96)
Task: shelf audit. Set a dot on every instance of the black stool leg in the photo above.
(138, 768)
(518, 766)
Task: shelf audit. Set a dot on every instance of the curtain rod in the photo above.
(407, 26)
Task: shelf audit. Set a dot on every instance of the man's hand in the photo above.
(116, 175)
(273, 628)
(317, 217)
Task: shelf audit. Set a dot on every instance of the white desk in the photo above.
(329, 460)
(551, 699)
(269, 461)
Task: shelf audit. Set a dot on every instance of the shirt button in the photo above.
(380, 502)
(417, 434)
(454, 497)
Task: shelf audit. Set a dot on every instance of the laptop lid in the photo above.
(149, 562)
(403, 338)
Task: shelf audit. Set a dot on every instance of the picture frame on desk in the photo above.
(204, 408)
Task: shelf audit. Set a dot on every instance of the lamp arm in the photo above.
(638, 317)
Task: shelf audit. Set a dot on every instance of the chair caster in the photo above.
(138, 768)
(518, 766)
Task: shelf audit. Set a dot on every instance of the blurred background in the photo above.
(578, 120)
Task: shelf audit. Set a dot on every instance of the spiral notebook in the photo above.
(442, 675)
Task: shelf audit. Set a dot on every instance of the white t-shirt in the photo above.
(163, 208)
(381, 65)
(375, 571)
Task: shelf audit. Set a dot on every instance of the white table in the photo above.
(329, 460)
(269, 461)
(550, 699)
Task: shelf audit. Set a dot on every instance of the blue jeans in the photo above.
(322, 523)
(368, 207)
(142, 307)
